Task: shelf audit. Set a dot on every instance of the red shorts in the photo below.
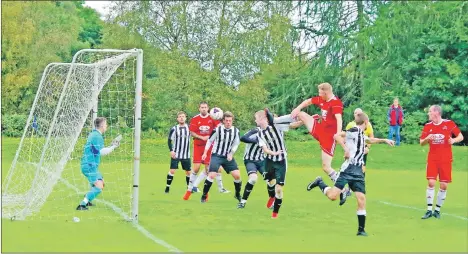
(198, 152)
(324, 137)
(443, 169)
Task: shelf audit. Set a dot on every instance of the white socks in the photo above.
(429, 197)
(440, 199)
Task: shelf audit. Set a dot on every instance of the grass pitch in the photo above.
(307, 222)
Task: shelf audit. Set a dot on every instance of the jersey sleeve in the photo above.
(171, 138)
(315, 100)
(424, 132)
(282, 126)
(454, 129)
(337, 107)
(349, 126)
(193, 126)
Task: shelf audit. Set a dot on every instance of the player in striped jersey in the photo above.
(225, 138)
(351, 170)
(179, 148)
(271, 140)
(254, 160)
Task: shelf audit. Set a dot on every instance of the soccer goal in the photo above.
(45, 179)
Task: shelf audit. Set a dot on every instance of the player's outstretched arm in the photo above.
(269, 116)
(380, 140)
(115, 143)
(295, 125)
(298, 109)
(250, 136)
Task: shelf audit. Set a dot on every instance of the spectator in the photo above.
(395, 118)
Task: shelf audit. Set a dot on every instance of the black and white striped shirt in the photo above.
(225, 140)
(356, 143)
(179, 141)
(252, 150)
(273, 138)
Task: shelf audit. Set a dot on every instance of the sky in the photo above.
(100, 6)
(103, 8)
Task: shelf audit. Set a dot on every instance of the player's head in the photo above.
(325, 90)
(358, 111)
(181, 117)
(100, 123)
(228, 119)
(261, 119)
(435, 113)
(395, 102)
(361, 121)
(203, 108)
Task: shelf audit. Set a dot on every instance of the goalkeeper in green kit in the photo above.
(93, 150)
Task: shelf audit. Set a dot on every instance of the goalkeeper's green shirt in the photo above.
(92, 151)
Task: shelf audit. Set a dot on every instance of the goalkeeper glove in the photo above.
(116, 141)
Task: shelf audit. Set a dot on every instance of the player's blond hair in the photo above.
(437, 108)
(228, 114)
(260, 114)
(181, 113)
(325, 87)
(360, 119)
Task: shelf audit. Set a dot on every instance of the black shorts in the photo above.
(217, 161)
(276, 170)
(365, 159)
(186, 165)
(352, 176)
(254, 166)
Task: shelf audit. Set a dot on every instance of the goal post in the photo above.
(98, 82)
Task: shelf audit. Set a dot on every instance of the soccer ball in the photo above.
(216, 113)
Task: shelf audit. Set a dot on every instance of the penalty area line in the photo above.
(118, 210)
(140, 228)
(422, 210)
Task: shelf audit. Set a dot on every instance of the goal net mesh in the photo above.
(45, 179)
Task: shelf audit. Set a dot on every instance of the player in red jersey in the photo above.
(201, 126)
(323, 128)
(438, 133)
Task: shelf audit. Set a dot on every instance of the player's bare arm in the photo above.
(339, 122)
(196, 136)
(339, 137)
(380, 140)
(210, 141)
(298, 109)
(457, 139)
(270, 152)
(235, 145)
(425, 141)
(295, 125)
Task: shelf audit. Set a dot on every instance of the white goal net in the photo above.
(45, 178)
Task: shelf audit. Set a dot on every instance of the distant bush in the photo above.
(13, 125)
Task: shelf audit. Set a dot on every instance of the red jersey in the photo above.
(203, 126)
(329, 109)
(439, 147)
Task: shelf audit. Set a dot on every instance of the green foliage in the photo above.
(13, 125)
(417, 51)
(35, 34)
